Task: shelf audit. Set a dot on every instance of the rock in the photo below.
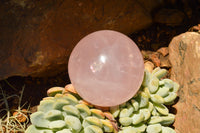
(184, 55)
(164, 51)
(155, 59)
(149, 6)
(164, 61)
(146, 54)
(171, 17)
(37, 37)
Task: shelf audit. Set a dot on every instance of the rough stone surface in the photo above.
(184, 55)
(164, 51)
(159, 58)
(37, 37)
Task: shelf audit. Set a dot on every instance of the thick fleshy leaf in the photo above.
(91, 120)
(147, 78)
(155, 128)
(128, 129)
(157, 99)
(168, 120)
(33, 129)
(38, 120)
(59, 103)
(168, 130)
(53, 115)
(46, 105)
(135, 105)
(163, 91)
(126, 121)
(153, 84)
(150, 107)
(162, 109)
(140, 128)
(93, 129)
(126, 112)
(71, 110)
(55, 90)
(146, 113)
(73, 122)
(115, 111)
(137, 118)
(155, 120)
(107, 126)
(170, 98)
(98, 113)
(84, 110)
(57, 125)
(64, 131)
(160, 73)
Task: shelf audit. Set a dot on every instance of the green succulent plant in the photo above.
(146, 112)
(63, 113)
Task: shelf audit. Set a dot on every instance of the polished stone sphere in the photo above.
(106, 68)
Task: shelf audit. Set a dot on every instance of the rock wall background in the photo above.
(37, 37)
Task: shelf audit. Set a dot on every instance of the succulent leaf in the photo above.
(71, 110)
(46, 105)
(153, 84)
(126, 121)
(162, 109)
(107, 126)
(38, 120)
(98, 113)
(84, 110)
(167, 130)
(93, 129)
(55, 90)
(138, 117)
(157, 99)
(155, 128)
(115, 111)
(57, 125)
(155, 119)
(73, 123)
(160, 73)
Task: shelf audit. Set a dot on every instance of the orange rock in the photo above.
(164, 51)
(184, 55)
(21, 116)
(155, 59)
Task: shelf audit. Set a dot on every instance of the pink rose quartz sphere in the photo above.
(106, 68)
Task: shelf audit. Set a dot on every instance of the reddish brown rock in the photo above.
(37, 37)
(164, 51)
(155, 59)
(164, 61)
(184, 55)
